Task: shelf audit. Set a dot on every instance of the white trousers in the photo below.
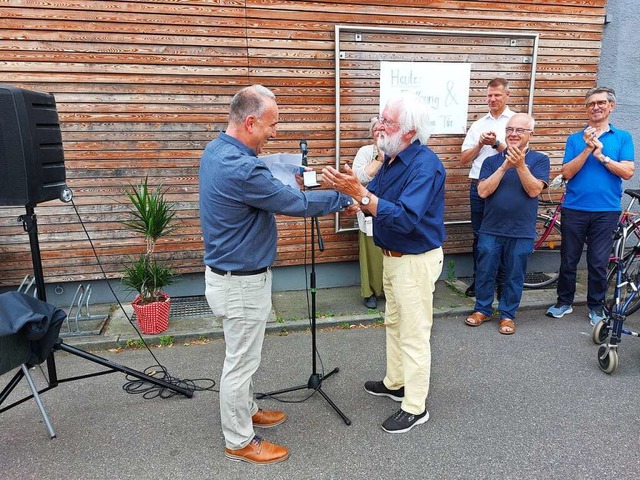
(243, 303)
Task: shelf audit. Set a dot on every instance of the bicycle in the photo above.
(548, 234)
(626, 256)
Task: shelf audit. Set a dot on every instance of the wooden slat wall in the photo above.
(490, 55)
(142, 86)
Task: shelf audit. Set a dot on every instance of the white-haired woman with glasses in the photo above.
(366, 164)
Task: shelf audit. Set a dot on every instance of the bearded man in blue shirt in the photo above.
(406, 200)
(238, 199)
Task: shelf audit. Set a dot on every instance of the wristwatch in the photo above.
(496, 145)
(605, 160)
(365, 200)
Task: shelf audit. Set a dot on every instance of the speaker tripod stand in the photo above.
(30, 225)
(316, 379)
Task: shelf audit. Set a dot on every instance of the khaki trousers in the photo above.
(370, 266)
(409, 283)
(243, 303)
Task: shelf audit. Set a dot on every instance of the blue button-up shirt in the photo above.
(410, 190)
(238, 199)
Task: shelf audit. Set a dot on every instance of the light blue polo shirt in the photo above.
(594, 188)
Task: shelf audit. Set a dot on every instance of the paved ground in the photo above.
(533, 405)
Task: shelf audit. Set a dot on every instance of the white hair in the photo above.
(414, 115)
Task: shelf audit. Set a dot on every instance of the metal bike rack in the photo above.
(80, 302)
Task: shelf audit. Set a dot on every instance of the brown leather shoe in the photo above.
(259, 452)
(268, 418)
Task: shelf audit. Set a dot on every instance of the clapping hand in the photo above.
(514, 157)
(488, 138)
(597, 151)
(589, 135)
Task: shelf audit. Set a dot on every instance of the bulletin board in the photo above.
(446, 62)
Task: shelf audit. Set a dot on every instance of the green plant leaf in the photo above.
(151, 213)
(151, 216)
(147, 277)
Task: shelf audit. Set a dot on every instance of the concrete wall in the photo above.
(620, 69)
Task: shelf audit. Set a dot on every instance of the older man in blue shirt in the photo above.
(238, 199)
(406, 199)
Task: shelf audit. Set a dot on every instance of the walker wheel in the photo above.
(608, 363)
(600, 333)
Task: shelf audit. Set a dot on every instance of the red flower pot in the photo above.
(153, 317)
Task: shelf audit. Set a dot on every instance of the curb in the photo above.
(532, 299)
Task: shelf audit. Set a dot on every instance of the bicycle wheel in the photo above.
(543, 266)
(631, 235)
(631, 267)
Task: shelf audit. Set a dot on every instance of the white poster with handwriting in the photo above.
(443, 86)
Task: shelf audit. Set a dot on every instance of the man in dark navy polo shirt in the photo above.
(238, 199)
(406, 200)
(510, 183)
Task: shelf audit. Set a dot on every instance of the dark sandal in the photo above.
(476, 319)
(507, 326)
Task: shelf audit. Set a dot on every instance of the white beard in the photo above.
(391, 145)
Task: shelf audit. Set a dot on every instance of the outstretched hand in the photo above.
(346, 182)
(353, 208)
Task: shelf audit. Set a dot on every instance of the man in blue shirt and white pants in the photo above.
(406, 200)
(238, 199)
(596, 160)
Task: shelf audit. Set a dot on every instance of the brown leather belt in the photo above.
(474, 181)
(391, 253)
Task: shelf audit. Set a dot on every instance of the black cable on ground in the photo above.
(138, 386)
(149, 390)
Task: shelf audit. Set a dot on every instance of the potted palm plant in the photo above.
(151, 216)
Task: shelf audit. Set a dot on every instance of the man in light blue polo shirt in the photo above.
(596, 160)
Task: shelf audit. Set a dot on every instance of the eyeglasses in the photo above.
(599, 103)
(519, 131)
(386, 123)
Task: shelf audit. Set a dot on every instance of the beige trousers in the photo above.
(409, 283)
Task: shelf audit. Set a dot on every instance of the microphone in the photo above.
(303, 150)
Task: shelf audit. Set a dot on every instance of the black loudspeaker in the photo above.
(31, 150)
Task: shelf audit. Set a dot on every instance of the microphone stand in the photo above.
(316, 378)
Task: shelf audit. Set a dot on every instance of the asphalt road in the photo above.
(534, 405)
